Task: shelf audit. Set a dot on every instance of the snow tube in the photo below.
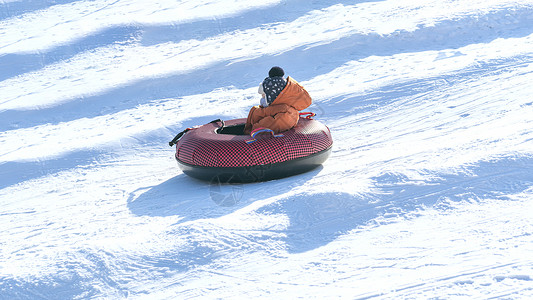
(219, 151)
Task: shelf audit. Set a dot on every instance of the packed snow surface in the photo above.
(428, 192)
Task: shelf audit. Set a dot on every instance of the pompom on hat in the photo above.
(276, 72)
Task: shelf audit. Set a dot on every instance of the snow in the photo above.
(427, 194)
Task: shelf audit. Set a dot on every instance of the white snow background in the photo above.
(428, 192)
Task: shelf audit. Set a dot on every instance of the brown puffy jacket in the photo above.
(282, 114)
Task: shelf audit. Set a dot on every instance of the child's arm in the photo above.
(263, 102)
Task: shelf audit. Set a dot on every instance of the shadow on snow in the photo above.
(194, 199)
(246, 72)
(318, 219)
(148, 35)
(16, 8)
(14, 172)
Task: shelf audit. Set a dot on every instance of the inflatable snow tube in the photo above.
(219, 151)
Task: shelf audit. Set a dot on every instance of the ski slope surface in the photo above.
(428, 192)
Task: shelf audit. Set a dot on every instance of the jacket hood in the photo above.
(294, 95)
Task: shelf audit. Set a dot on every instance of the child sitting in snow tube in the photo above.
(280, 105)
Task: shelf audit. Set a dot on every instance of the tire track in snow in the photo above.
(449, 281)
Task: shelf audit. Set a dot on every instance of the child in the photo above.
(281, 101)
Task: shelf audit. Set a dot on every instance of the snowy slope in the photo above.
(428, 192)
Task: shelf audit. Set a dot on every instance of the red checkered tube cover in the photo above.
(203, 146)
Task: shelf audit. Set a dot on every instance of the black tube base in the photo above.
(256, 173)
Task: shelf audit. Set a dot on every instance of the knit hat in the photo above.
(272, 87)
(276, 72)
